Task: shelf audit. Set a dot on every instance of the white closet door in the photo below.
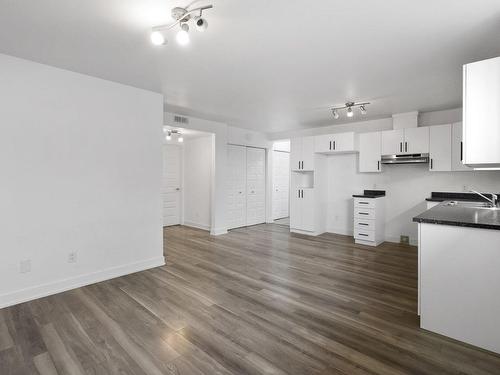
(171, 185)
(236, 189)
(281, 184)
(256, 186)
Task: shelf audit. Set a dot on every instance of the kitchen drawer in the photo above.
(366, 235)
(364, 224)
(364, 202)
(364, 213)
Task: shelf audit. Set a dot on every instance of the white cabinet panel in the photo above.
(481, 118)
(295, 154)
(308, 153)
(392, 142)
(416, 140)
(323, 143)
(335, 143)
(440, 148)
(295, 208)
(307, 210)
(457, 149)
(370, 151)
(236, 186)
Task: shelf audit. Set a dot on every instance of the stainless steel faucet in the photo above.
(493, 200)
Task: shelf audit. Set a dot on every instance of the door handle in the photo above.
(400, 146)
(461, 151)
(378, 165)
(299, 193)
(431, 164)
(299, 164)
(406, 146)
(334, 146)
(330, 145)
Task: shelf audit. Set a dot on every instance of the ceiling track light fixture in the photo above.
(169, 133)
(181, 16)
(349, 109)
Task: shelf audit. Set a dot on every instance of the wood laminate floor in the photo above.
(258, 300)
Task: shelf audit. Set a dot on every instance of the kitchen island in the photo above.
(459, 272)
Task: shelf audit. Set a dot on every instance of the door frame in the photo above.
(181, 182)
(272, 184)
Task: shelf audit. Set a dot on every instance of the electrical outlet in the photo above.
(72, 257)
(405, 240)
(25, 266)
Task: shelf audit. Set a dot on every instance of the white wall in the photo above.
(81, 171)
(197, 182)
(406, 187)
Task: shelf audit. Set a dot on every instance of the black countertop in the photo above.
(371, 194)
(460, 216)
(438, 196)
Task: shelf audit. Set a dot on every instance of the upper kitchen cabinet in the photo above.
(440, 148)
(457, 149)
(481, 114)
(370, 152)
(405, 141)
(335, 143)
(302, 154)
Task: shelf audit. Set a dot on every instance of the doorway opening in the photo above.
(281, 182)
(187, 177)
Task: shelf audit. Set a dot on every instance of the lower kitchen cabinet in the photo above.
(302, 215)
(369, 221)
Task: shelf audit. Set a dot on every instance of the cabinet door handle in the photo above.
(330, 145)
(364, 202)
(461, 151)
(363, 224)
(406, 146)
(302, 193)
(362, 234)
(334, 146)
(378, 165)
(299, 164)
(431, 164)
(299, 193)
(400, 146)
(363, 213)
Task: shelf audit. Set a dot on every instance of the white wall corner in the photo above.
(218, 231)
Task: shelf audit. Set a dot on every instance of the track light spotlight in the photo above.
(362, 109)
(157, 38)
(201, 23)
(350, 113)
(183, 35)
(335, 114)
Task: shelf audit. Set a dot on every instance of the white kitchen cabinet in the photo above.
(302, 210)
(416, 140)
(369, 220)
(440, 148)
(405, 141)
(335, 143)
(370, 152)
(457, 150)
(302, 154)
(481, 113)
(392, 142)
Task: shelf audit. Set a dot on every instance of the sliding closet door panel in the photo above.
(236, 189)
(281, 184)
(256, 186)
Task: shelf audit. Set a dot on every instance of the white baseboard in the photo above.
(192, 224)
(218, 231)
(59, 286)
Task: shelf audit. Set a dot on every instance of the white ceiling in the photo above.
(267, 65)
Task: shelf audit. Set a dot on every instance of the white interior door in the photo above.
(237, 186)
(171, 185)
(281, 184)
(256, 186)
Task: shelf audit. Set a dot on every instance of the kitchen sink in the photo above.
(472, 204)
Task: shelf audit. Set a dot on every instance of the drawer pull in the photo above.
(362, 234)
(364, 202)
(363, 213)
(363, 224)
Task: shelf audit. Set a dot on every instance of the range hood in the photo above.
(405, 159)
